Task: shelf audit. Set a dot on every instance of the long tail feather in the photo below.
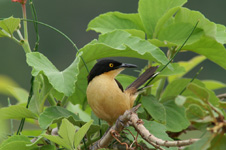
(142, 78)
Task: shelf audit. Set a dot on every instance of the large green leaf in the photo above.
(154, 108)
(122, 44)
(188, 16)
(115, 20)
(55, 114)
(221, 34)
(16, 142)
(150, 13)
(218, 142)
(62, 81)
(16, 112)
(210, 48)
(194, 112)
(8, 26)
(176, 119)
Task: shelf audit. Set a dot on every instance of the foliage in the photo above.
(167, 109)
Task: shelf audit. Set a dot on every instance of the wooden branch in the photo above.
(150, 138)
(131, 117)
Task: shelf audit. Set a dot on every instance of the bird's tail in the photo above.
(142, 78)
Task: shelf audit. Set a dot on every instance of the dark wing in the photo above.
(143, 78)
(119, 85)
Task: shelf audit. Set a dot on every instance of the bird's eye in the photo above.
(111, 65)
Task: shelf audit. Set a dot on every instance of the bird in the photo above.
(105, 94)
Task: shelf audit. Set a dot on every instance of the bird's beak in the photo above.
(123, 65)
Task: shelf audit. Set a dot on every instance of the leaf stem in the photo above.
(160, 87)
(64, 101)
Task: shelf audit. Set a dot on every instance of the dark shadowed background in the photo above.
(72, 18)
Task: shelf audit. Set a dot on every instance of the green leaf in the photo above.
(55, 114)
(175, 87)
(154, 108)
(176, 119)
(221, 34)
(120, 43)
(16, 142)
(16, 112)
(115, 20)
(150, 14)
(9, 87)
(213, 85)
(210, 48)
(202, 144)
(8, 26)
(81, 133)
(58, 140)
(40, 93)
(188, 65)
(67, 132)
(79, 94)
(194, 112)
(177, 33)
(62, 81)
(188, 16)
(218, 142)
(199, 91)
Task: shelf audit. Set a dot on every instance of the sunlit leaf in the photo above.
(62, 81)
(16, 112)
(8, 26)
(213, 85)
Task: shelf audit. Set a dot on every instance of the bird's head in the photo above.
(108, 66)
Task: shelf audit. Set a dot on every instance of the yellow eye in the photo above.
(111, 65)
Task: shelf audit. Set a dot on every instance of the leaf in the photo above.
(62, 81)
(213, 85)
(58, 140)
(188, 65)
(218, 142)
(202, 144)
(16, 112)
(210, 48)
(8, 26)
(221, 34)
(199, 91)
(188, 16)
(175, 87)
(67, 132)
(194, 112)
(176, 119)
(68, 137)
(9, 87)
(154, 108)
(177, 33)
(115, 20)
(81, 133)
(55, 114)
(150, 14)
(122, 44)
(16, 142)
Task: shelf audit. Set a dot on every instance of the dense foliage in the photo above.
(170, 107)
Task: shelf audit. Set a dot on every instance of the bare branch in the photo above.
(131, 117)
(146, 135)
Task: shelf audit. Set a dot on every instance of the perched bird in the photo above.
(105, 94)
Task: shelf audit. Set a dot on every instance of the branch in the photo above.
(131, 116)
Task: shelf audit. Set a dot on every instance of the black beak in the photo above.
(123, 65)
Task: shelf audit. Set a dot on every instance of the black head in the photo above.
(106, 65)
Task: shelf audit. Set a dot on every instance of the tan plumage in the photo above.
(105, 97)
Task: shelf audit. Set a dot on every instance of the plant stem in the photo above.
(51, 100)
(160, 87)
(25, 43)
(64, 101)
